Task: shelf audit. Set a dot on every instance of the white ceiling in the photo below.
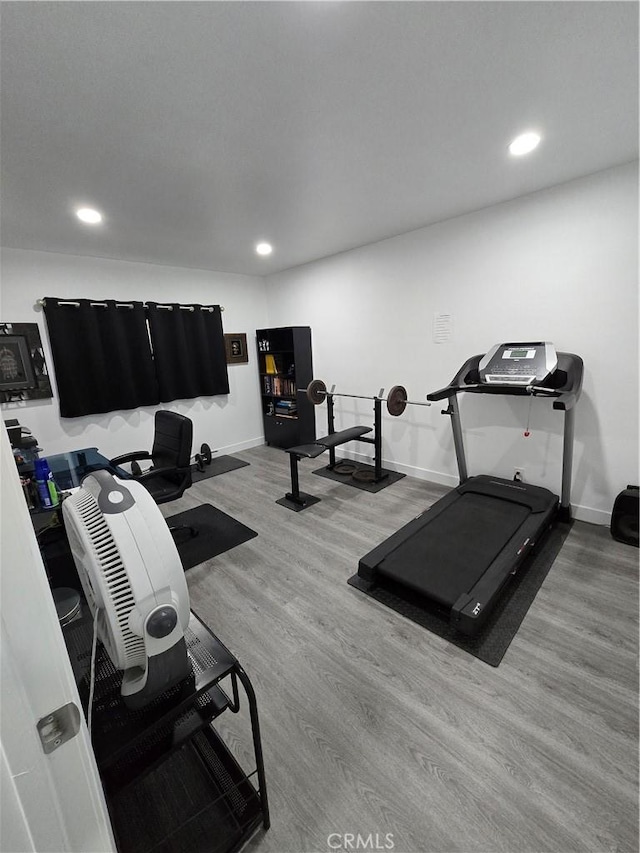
(200, 128)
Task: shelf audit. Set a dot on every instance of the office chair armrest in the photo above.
(130, 457)
(161, 472)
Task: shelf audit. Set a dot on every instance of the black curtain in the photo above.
(101, 354)
(188, 349)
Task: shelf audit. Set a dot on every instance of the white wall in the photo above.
(558, 265)
(226, 423)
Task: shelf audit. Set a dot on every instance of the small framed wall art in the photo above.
(235, 346)
(23, 369)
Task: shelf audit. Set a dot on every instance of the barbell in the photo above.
(396, 399)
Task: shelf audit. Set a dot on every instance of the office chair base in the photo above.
(179, 529)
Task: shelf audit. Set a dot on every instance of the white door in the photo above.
(48, 802)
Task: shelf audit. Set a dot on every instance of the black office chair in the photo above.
(170, 472)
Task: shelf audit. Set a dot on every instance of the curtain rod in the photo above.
(42, 303)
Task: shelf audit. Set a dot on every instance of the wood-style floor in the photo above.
(371, 724)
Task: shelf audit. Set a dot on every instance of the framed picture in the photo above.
(23, 370)
(16, 370)
(236, 348)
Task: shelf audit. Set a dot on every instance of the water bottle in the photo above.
(45, 485)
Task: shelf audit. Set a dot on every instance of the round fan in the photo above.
(131, 572)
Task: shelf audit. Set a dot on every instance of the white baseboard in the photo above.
(592, 516)
(580, 513)
(423, 474)
(242, 445)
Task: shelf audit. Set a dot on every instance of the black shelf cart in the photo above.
(285, 365)
(170, 781)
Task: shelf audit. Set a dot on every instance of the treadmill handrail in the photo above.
(561, 400)
(444, 393)
(565, 397)
(495, 388)
(456, 385)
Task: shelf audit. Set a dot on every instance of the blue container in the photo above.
(45, 484)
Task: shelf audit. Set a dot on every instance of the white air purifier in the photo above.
(131, 573)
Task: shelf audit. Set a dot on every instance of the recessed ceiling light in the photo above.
(89, 215)
(524, 143)
(264, 248)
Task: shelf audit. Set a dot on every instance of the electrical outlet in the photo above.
(518, 474)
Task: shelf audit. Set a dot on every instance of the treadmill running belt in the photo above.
(447, 556)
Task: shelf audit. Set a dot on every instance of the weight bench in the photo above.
(297, 500)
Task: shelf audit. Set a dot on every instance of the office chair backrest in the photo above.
(173, 436)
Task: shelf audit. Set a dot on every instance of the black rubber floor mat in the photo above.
(502, 625)
(217, 533)
(219, 465)
(348, 479)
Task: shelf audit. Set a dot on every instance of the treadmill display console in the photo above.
(518, 364)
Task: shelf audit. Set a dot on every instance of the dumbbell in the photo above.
(203, 458)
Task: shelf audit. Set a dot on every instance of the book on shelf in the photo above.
(275, 364)
(278, 386)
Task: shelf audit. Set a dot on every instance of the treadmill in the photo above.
(461, 552)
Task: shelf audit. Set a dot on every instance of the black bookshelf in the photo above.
(286, 368)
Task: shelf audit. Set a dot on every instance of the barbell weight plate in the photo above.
(364, 475)
(316, 391)
(345, 468)
(397, 400)
(205, 452)
(199, 462)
